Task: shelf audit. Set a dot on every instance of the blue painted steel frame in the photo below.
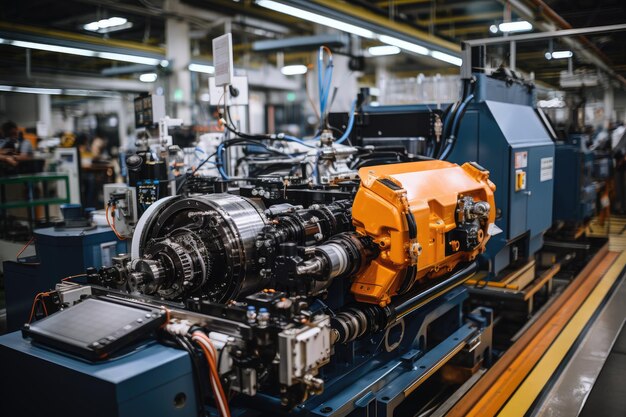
(500, 123)
(363, 379)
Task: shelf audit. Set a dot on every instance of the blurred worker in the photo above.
(12, 141)
(99, 149)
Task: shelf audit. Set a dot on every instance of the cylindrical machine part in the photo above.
(203, 241)
(337, 259)
(406, 305)
(354, 322)
(342, 256)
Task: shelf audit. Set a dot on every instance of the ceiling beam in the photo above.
(461, 19)
(400, 2)
(454, 31)
(76, 82)
(383, 24)
(78, 37)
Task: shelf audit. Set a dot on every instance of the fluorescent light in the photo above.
(408, 46)
(357, 30)
(136, 59)
(207, 69)
(130, 58)
(293, 69)
(562, 54)
(493, 29)
(57, 91)
(31, 90)
(552, 103)
(149, 77)
(519, 26)
(52, 48)
(315, 18)
(111, 24)
(383, 50)
(447, 58)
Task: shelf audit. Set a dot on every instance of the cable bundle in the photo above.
(210, 354)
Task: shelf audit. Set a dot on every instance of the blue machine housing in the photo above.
(575, 192)
(503, 133)
(60, 253)
(371, 376)
(155, 380)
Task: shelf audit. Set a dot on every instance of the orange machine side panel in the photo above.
(430, 191)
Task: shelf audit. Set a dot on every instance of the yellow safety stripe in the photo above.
(528, 391)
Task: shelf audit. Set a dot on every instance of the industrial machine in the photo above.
(499, 128)
(495, 117)
(575, 191)
(60, 252)
(149, 169)
(349, 302)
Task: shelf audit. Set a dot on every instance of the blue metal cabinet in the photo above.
(153, 381)
(61, 254)
(574, 190)
(502, 132)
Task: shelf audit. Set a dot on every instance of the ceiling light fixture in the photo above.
(57, 91)
(383, 50)
(407, 46)
(357, 30)
(293, 69)
(31, 90)
(454, 60)
(493, 29)
(207, 69)
(315, 18)
(114, 56)
(562, 54)
(148, 77)
(111, 24)
(518, 26)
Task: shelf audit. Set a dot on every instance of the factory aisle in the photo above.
(590, 369)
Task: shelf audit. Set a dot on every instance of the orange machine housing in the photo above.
(434, 193)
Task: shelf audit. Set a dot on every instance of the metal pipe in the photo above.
(546, 35)
(410, 304)
(565, 33)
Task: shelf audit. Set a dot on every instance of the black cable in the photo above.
(452, 139)
(186, 345)
(184, 181)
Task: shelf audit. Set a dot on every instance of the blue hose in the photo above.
(350, 123)
(296, 140)
(219, 164)
(324, 79)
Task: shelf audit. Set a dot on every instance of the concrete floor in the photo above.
(569, 392)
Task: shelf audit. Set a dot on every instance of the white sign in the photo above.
(521, 160)
(547, 168)
(223, 59)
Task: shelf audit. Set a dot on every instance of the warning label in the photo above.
(521, 160)
(547, 167)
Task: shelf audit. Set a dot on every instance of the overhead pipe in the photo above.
(598, 58)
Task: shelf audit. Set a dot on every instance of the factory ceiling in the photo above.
(446, 20)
